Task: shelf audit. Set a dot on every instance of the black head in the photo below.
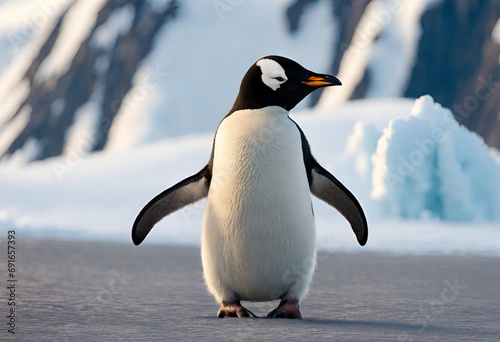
(278, 81)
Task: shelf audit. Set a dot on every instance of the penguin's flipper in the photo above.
(327, 188)
(188, 191)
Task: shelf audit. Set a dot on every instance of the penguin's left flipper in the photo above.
(187, 191)
(327, 188)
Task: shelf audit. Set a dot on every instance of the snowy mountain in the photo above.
(81, 76)
(83, 61)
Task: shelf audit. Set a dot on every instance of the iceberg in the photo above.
(429, 165)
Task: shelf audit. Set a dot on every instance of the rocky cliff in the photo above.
(54, 100)
(458, 63)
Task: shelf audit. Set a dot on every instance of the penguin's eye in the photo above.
(279, 78)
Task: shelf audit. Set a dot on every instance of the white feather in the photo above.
(258, 240)
(273, 74)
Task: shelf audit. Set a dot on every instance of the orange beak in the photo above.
(322, 81)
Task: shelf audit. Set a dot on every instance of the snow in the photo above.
(16, 125)
(356, 57)
(158, 6)
(17, 15)
(118, 23)
(82, 135)
(11, 102)
(106, 35)
(361, 145)
(384, 45)
(201, 70)
(24, 155)
(495, 33)
(26, 25)
(395, 51)
(77, 25)
(97, 196)
(130, 124)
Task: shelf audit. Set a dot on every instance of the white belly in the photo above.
(258, 236)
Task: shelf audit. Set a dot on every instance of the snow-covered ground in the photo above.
(97, 196)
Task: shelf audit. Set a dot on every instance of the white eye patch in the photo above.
(273, 74)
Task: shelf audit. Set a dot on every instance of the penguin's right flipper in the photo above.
(188, 191)
(328, 188)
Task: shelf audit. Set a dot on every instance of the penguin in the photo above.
(259, 237)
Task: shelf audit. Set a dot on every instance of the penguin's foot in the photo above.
(234, 309)
(288, 308)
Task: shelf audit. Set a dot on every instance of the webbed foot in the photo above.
(288, 308)
(234, 309)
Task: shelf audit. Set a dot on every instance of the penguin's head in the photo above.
(278, 81)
